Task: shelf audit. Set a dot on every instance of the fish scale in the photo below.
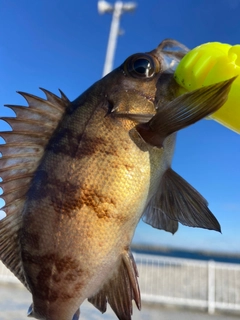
(78, 176)
(83, 203)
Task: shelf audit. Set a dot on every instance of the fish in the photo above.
(78, 176)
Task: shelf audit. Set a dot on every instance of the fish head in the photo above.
(135, 88)
(144, 89)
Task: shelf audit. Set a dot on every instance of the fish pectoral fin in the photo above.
(9, 246)
(120, 289)
(158, 219)
(184, 111)
(181, 202)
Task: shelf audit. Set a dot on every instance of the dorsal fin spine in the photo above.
(21, 155)
(31, 134)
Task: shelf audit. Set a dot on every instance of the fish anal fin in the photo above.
(120, 289)
(181, 202)
(158, 219)
(99, 300)
(10, 247)
(184, 111)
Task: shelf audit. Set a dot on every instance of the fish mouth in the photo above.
(169, 53)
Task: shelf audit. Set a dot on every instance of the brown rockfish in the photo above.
(77, 177)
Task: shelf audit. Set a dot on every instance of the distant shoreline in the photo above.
(186, 253)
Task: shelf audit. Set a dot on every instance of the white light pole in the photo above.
(117, 10)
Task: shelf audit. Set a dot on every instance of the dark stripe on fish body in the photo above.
(91, 146)
(62, 264)
(66, 197)
(59, 269)
(32, 238)
(65, 142)
(39, 189)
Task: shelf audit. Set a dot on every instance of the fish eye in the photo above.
(141, 66)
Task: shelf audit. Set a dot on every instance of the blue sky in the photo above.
(62, 44)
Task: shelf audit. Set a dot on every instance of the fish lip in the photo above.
(169, 53)
(168, 61)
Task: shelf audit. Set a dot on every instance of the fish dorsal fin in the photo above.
(181, 202)
(158, 219)
(120, 289)
(24, 148)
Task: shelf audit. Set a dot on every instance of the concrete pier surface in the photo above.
(15, 300)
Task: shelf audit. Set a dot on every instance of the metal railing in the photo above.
(6, 275)
(193, 283)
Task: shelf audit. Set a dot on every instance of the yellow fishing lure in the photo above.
(208, 64)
